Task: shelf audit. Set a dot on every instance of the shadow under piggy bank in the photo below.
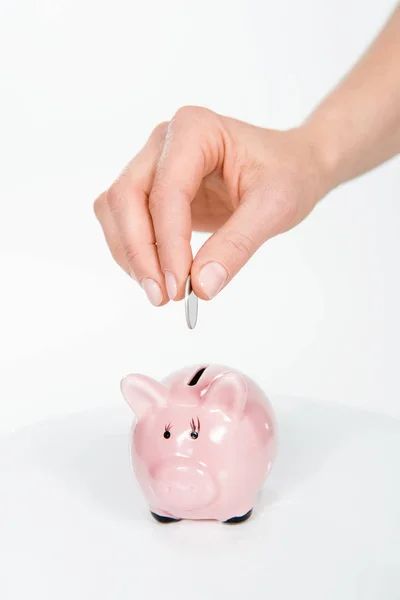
(90, 451)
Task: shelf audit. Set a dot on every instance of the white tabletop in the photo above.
(74, 525)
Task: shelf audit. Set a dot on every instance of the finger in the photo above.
(110, 231)
(189, 154)
(129, 208)
(259, 217)
(128, 203)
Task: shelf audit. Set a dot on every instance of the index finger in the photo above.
(183, 163)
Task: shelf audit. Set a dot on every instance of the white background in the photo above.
(314, 314)
(82, 83)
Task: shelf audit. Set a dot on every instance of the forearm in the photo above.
(357, 127)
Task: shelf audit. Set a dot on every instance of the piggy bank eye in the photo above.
(167, 434)
(195, 427)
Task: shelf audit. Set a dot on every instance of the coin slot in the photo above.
(196, 376)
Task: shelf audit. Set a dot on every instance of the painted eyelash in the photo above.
(168, 427)
(194, 426)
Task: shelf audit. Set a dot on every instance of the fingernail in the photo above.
(212, 278)
(152, 290)
(170, 282)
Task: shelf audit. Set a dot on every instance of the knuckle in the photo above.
(176, 244)
(114, 196)
(131, 252)
(116, 253)
(99, 204)
(185, 112)
(240, 242)
(192, 113)
(160, 130)
(164, 189)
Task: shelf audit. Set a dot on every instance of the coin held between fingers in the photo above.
(191, 305)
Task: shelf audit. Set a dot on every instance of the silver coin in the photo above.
(191, 305)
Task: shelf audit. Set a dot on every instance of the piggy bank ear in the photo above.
(143, 393)
(227, 394)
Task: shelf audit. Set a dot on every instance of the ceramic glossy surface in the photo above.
(202, 444)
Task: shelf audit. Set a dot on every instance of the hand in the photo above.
(205, 172)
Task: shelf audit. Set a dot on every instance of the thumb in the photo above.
(259, 217)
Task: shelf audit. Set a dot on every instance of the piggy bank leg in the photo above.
(163, 519)
(235, 520)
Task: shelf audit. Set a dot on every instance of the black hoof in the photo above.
(235, 520)
(161, 519)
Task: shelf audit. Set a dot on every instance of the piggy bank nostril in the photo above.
(182, 487)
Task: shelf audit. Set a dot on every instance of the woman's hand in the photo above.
(205, 172)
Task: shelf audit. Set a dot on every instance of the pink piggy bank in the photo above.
(203, 442)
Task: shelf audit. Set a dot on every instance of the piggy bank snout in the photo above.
(183, 486)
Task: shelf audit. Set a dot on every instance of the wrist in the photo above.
(323, 137)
